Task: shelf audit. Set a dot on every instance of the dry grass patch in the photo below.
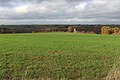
(115, 72)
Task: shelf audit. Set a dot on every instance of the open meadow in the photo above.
(57, 56)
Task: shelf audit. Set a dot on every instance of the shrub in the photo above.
(70, 29)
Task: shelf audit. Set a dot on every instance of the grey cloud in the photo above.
(59, 11)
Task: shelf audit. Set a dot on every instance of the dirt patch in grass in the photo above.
(54, 51)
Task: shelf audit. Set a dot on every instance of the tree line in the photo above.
(52, 28)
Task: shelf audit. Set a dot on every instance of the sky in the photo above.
(59, 11)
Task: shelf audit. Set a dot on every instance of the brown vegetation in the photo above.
(105, 30)
(70, 29)
(115, 72)
(109, 30)
(85, 29)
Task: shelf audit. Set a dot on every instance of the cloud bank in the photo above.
(59, 11)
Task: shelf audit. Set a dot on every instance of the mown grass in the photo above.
(57, 56)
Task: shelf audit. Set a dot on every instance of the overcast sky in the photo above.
(59, 11)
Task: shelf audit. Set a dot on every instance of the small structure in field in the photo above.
(75, 30)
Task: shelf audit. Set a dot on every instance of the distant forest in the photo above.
(50, 28)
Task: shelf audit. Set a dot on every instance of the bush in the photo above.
(70, 29)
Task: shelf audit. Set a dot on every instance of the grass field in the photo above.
(57, 56)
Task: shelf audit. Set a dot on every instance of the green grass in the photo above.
(57, 56)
